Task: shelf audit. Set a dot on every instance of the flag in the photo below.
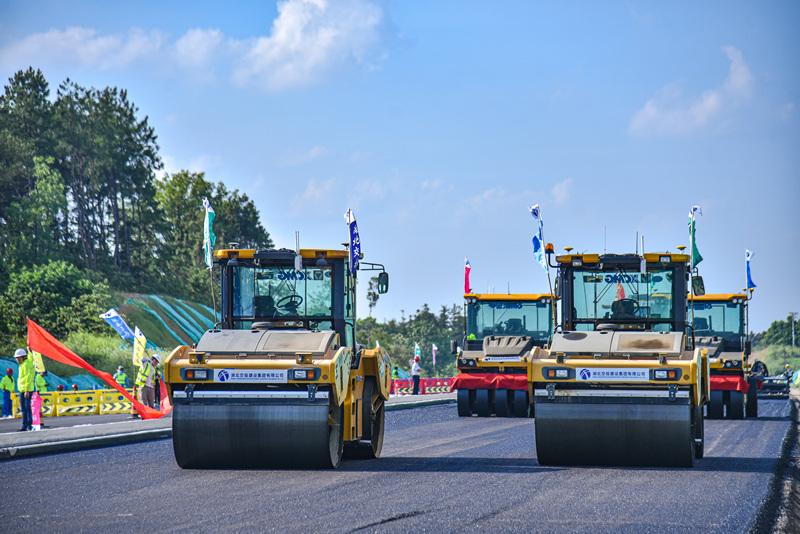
(208, 233)
(747, 255)
(417, 351)
(40, 340)
(38, 363)
(620, 292)
(696, 257)
(117, 323)
(377, 344)
(467, 268)
(139, 344)
(435, 348)
(355, 241)
(538, 240)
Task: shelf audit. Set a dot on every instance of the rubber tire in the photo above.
(369, 450)
(736, 406)
(464, 404)
(751, 404)
(502, 404)
(335, 438)
(521, 404)
(699, 432)
(716, 408)
(483, 402)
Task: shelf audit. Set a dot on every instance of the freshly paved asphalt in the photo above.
(438, 473)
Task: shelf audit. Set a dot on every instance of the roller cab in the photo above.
(621, 384)
(501, 331)
(719, 325)
(280, 383)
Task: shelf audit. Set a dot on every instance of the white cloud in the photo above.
(561, 192)
(293, 157)
(316, 196)
(196, 50)
(432, 184)
(84, 47)
(204, 162)
(669, 113)
(308, 39)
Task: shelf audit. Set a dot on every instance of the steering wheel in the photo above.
(289, 301)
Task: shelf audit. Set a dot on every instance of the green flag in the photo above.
(208, 233)
(696, 257)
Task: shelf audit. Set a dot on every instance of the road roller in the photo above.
(280, 381)
(492, 359)
(720, 326)
(621, 384)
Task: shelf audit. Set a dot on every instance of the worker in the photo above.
(395, 373)
(156, 360)
(40, 387)
(74, 387)
(144, 382)
(60, 387)
(787, 371)
(7, 386)
(25, 385)
(415, 370)
(121, 377)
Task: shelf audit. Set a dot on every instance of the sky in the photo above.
(440, 123)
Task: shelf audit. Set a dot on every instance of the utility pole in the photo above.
(793, 315)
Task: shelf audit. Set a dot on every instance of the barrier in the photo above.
(427, 386)
(77, 403)
(87, 402)
(437, 385)
(112, 401)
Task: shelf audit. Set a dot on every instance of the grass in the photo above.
(777, 356)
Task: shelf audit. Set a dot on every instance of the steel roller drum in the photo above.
(272, 436)
(626, 434)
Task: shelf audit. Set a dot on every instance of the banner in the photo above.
(417, 351)
(467, 269)
(747, 256)
(38, 364)
(696, 257)
(139, 344)
(355, 241)
(435, 348)
(40, 340)
(538, 240)
(209, 239)
(118, 323)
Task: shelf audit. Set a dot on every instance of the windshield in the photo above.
(509, 318)
(721, 319)
(623, 296)
(275, 291)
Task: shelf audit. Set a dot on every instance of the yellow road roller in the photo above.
(720, 326)
(501, 330)
(280, 382)
(621, 384)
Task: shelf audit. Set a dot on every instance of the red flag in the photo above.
(467, 268)
(40, 340)
(620, 292)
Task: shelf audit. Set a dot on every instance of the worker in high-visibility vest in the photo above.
(121, 377)
(144, 381)
(40, 386)
(7, 386)
(25, 385)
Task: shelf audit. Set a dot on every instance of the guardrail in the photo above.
(81, 402)
(427, 386)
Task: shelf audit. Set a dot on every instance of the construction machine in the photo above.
(720, 326)
(280, 382)
(500, 333)
(621, 384)
(773, 387)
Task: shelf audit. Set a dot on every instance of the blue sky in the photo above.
(439, 123)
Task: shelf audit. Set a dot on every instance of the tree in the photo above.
(372, 293)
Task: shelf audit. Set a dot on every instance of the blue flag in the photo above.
(355, 241)
(747, 256)
(118, 323)
(538, 240)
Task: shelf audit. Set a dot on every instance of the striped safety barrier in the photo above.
(427, 386)
(85, 402)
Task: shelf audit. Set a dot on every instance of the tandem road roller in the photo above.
(280, 382)
(501, 331)
(720, 326)
(622, 383)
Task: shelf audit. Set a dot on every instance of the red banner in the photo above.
(40, 340)
(729, 383)
(491, 381)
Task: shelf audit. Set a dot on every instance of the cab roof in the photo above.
(521, 297)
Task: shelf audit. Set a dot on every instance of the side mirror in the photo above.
(383, 282)
(557, 290)
(454, 347)
(747, 348)
(698, 288)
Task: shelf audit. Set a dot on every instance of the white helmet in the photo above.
(157, 358)
(21, 353)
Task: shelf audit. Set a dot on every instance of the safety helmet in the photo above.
(21, 353)
(75, 387)
(60, 387)
(120, 369)
(9, 371)
(157, 358)
(788, 366)
(416, 358)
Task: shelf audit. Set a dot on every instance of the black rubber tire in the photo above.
(751, 404)
(699, 432)
(483, 402)
(335, 438)
(369, 450)
(736, 406)
(502, 404)
(716, 408)
(464, 403)
(521, 404)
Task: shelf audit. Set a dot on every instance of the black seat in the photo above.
(623, 309)
(265, 306)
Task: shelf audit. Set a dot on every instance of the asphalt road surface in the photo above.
(438, 473)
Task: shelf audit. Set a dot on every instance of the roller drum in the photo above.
(625, 434)
(273, 436)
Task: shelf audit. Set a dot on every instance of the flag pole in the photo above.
(549, 282)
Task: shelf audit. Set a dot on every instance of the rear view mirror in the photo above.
(698, 288)
(454, 347)
(383, 283)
